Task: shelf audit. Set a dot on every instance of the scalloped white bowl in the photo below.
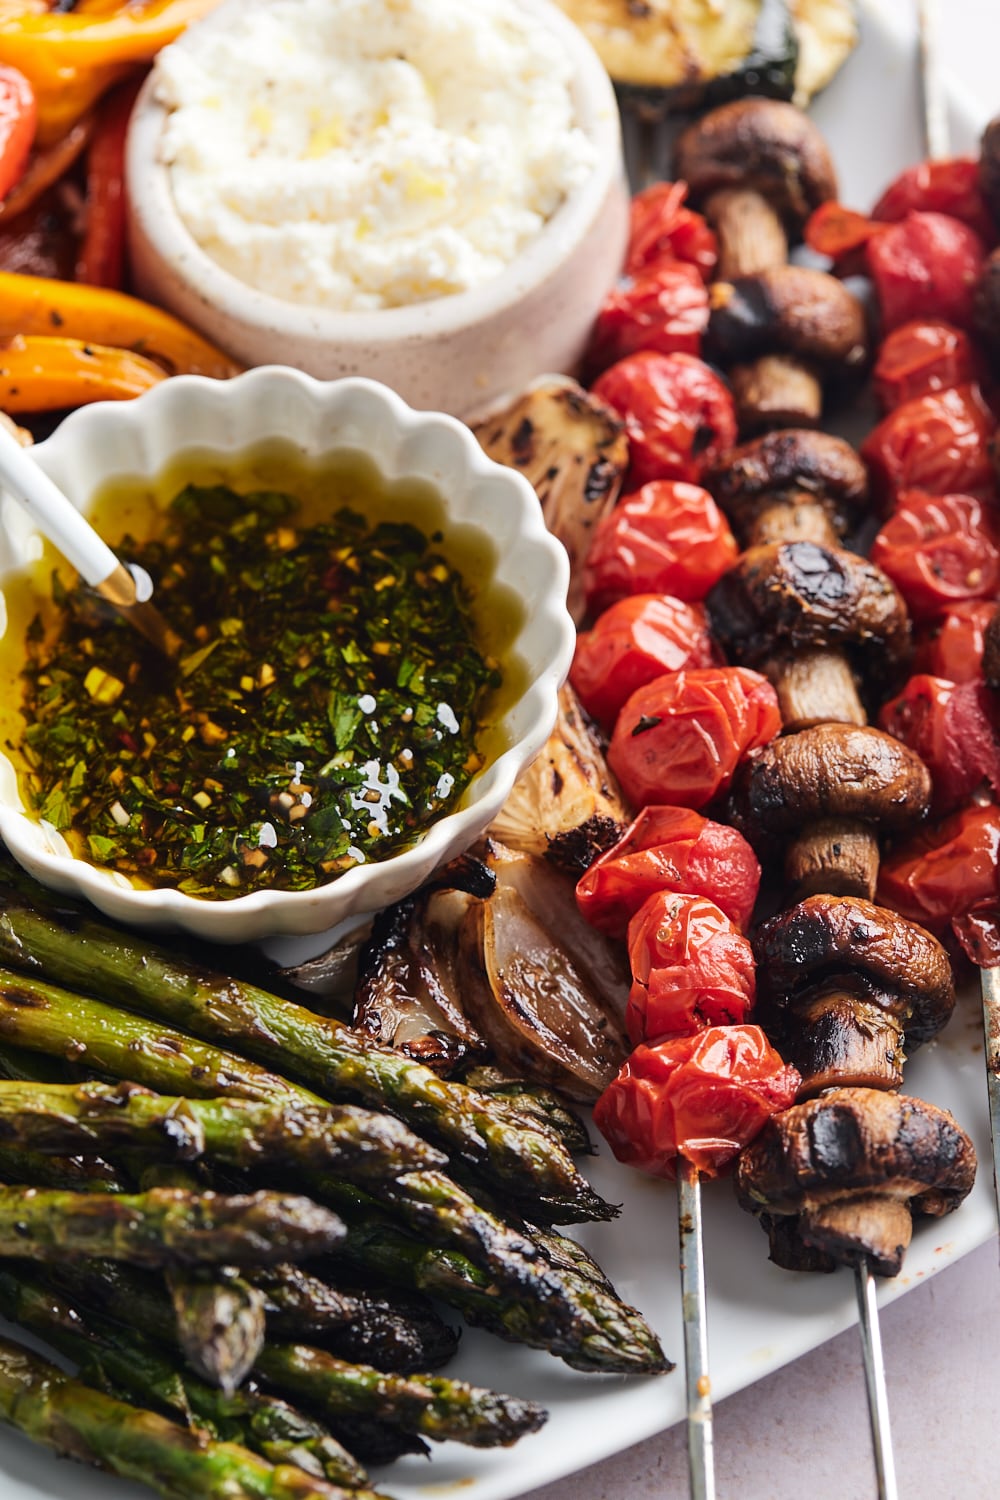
(225, 418)
(459, 354)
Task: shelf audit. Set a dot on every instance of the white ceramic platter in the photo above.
(760, 1317)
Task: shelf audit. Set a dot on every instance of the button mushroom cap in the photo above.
(798, 594)
(792, 463)
(792, 309)
(852, 1165)
(989, 167)
(830, 771)
(892, 960)
(763, 145)
(991, 652)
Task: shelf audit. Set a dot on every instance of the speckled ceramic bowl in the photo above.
(143, 438)
(457, 354)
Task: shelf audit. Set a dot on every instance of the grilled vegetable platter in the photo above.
(282, 1230)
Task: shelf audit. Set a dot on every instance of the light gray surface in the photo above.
(802, 1433)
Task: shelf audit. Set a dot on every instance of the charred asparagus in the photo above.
(166, 1226)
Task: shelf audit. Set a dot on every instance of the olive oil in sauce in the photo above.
(347, 658)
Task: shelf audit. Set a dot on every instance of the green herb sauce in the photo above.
(328, 707)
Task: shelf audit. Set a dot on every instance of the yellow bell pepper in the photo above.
(37, 305)
(70, 59)
(47, 374)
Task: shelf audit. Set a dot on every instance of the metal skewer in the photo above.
(701, 1463)
(878, 1397)
(937, 143)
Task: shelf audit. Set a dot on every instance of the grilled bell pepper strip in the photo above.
(47, 374)
(45, 168)
(101, 261)
(70, 59)
(40, 305)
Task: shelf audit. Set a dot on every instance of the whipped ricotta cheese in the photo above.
(362, 154)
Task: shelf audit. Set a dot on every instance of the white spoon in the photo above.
(128, 590)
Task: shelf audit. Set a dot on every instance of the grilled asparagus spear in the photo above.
(431, 1405)
(403, 1335)
(523, 1160)
(246, 1133)
(164, 1227)
(123, 1362)
(62, 1413)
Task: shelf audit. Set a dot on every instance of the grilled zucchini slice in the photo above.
(692, 53)
(828, 33)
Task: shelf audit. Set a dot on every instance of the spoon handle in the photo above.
(55, 516)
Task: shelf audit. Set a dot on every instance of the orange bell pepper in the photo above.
(33, 305)
(47, 374)
(71, 59)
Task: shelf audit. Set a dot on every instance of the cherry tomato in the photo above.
(978, 933)
(666, 538)
(680, 738)
(691, 968)
(663, 229)
(939, 550)
(926, 266)
(18, 117)
(953, 728)
(947, 186)
(703, 1097)
(664, 307)
(634, 641)
(678, 415)
(840, 233)
(669, 849)
(938, 443)
(951, 645)
(919, 357)
(944, 870)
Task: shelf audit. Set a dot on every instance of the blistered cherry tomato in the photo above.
(669, 849)
(840, 233)
(663, 229)
(18, 116)
(938, 443)
(939, 550)
(944, 870)
(919, 357)
(678, 415)
(953, 728)
(634, 641)
(666, 538)
(947, 186)
(691, 968)
(951, 645)
(664, 307)
(702, 1097)
(926, 266)
(680, 738)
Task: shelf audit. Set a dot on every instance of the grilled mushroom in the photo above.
(850, 985)
(825, 785)
(572, 448)
(792, 485)
(851, 1168)
(758, 168)
(991, 652)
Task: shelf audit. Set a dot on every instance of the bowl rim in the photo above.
(153, 213)
(356, 892)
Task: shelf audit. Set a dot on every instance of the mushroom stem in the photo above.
(840, 1037)
(865, 1226)
(833, 856)
(751, 235)
(776, 390)
(815, 687)
(796, 517)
